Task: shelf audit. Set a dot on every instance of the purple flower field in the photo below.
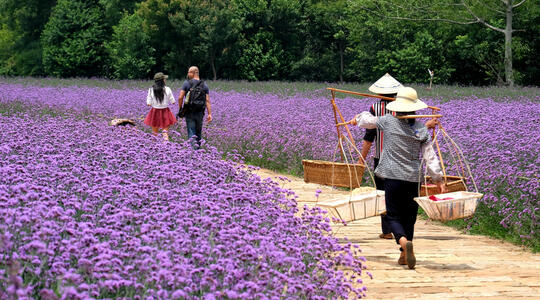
(92, 211)
(130, 222)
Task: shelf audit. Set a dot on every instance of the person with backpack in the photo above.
(159, 97)
(193, 100)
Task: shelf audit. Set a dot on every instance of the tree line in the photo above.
(308, 40)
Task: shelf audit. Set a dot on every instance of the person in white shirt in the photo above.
(159, 97)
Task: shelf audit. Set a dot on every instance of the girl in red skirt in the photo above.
(159, 97)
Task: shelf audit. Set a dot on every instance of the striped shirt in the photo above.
(403, 144)
(378, 110)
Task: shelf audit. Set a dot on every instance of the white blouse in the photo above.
(168, 98)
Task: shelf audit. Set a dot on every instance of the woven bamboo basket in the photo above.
(362, 203)
(462, 205)
(333, 173)
(453, 184)
(368, 203)
(340, 208)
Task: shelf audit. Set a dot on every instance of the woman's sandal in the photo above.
(411, 260)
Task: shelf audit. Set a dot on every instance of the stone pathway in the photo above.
(450, 264)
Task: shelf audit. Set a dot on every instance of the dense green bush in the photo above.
(130, 51)
(73, 40)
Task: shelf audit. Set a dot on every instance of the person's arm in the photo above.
(149, 97)
(181, 99)
(365, 120)
(433, 166)
(366, 146)
(170, 96)
(432, 123)
(369, 138)
(209, 108)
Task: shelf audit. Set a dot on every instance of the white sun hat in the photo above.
(385, 85)
(406, 100)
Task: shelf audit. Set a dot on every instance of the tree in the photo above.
(115, 10)
(73, 39)
(22, 22)
(129, 50)
(218, 28)
(489, 13)
(412, 59)
(260, 58)
(271, 31)
(325, 32)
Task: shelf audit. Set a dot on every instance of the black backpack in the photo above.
(197, 97)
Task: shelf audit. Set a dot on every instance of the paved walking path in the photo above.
(450, 264)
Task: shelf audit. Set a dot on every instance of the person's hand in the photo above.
(431, 124)
(209, 118)
(441, 187)
(353, 121)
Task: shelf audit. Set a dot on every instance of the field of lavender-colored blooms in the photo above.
(93, 211)
(128, 187)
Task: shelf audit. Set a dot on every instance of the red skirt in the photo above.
(160, 117)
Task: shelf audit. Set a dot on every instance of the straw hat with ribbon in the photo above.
(406, 101)
(385, 85)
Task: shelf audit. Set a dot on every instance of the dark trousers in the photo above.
(194, 123)
(401, 209)
(379, 183)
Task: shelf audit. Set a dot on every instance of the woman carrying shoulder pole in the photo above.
(404, 141)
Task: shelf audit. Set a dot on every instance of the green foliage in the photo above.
(73, 39)
(305, 40)
(484, 55)
(21, 24)
(325, 31)
(217, 27)
(7, 41)
(411, 61)
(260, 58)
(129, 50)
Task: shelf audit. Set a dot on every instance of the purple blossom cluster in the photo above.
(501, 141)
(89, 210)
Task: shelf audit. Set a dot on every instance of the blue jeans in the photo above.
(194, 122)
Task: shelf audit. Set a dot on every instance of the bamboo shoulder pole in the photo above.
(333, 90)
(419, 116)
(335, 109)
(360, 94)
(441, 159)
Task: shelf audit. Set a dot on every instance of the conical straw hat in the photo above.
(406, 101)
(385, 85)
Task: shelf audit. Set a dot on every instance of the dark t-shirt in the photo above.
(185, 87)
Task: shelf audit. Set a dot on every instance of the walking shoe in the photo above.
(402, 259)
(411, 260)
(386, 236)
